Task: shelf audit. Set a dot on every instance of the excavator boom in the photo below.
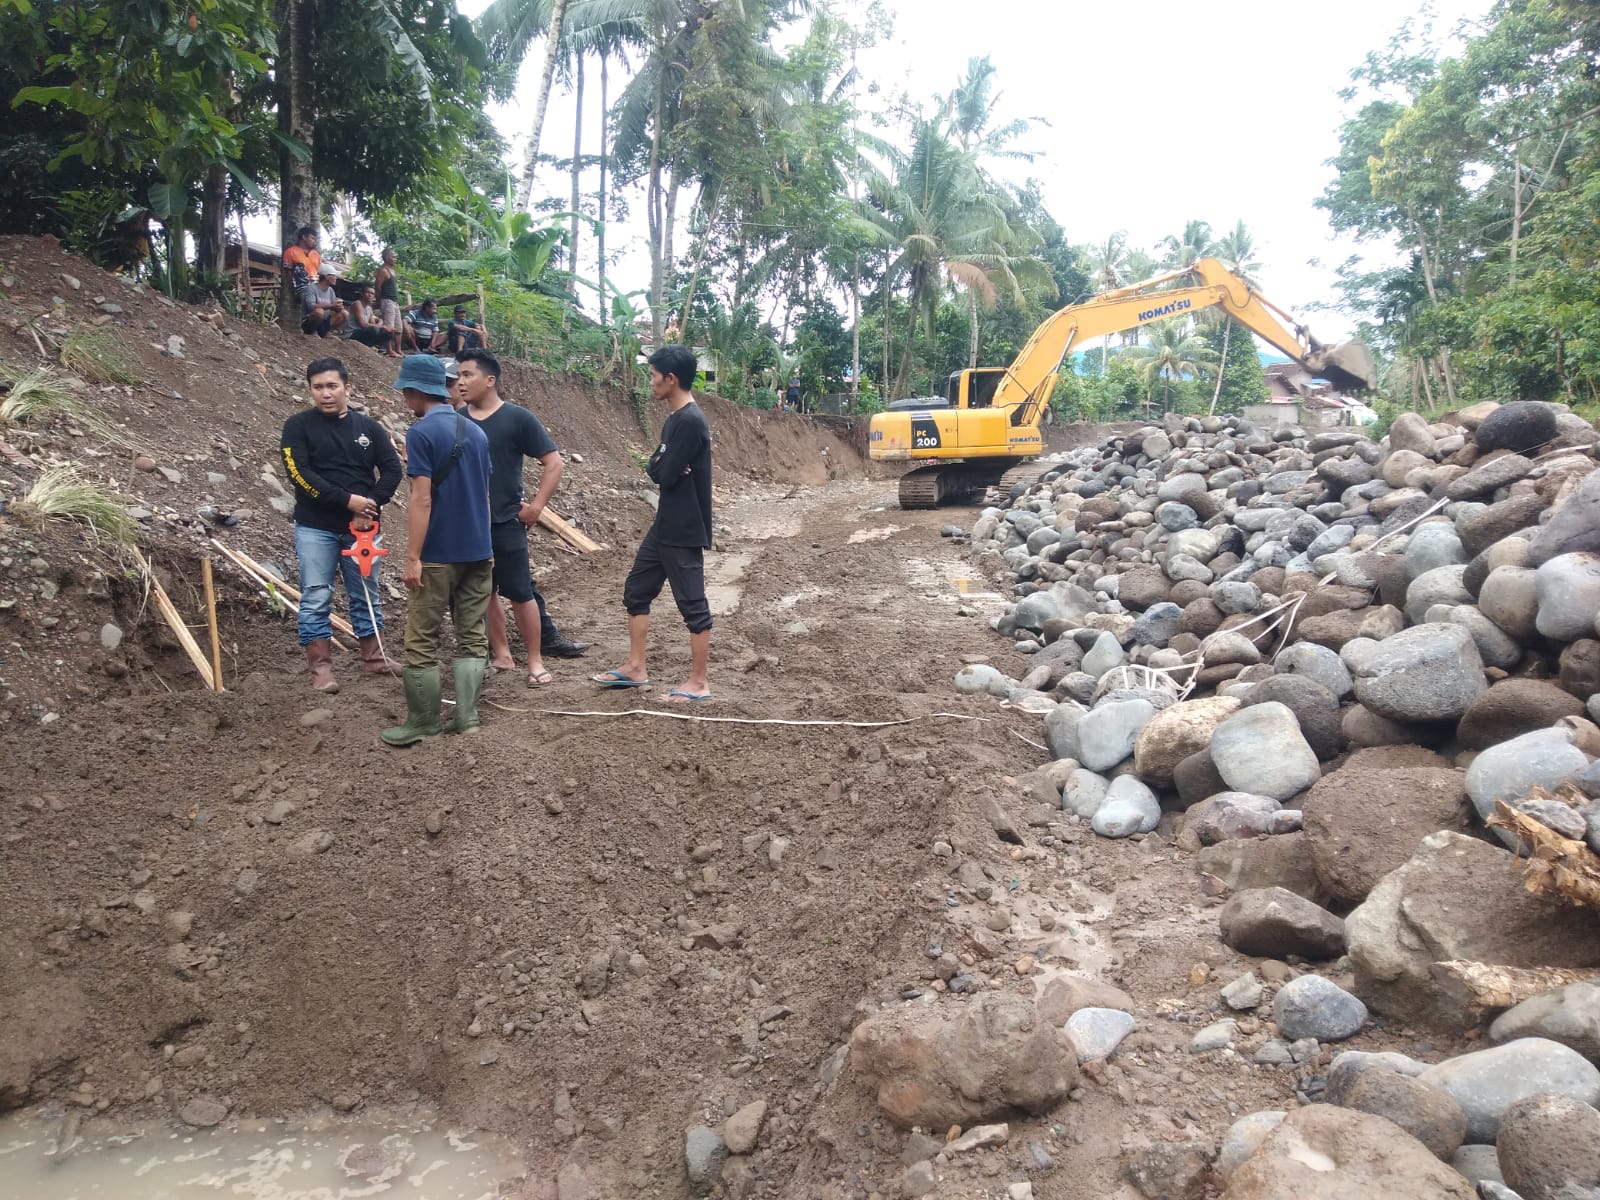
(988, 425)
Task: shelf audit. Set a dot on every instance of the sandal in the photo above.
(540, 678)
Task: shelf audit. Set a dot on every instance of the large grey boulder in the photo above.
(1104, 655)
(1364, 821)
(1510, 598)
(1495, 646)
(1430, 672)
(1061, 729)
(1322, 1152)
(1568, 587)
(1176, 733)
(1572, 527)
(1484, 479)
(1261, 750)
(1318, 663)
(1521, 425)
(1548, 1148)
(1442, 585)
(1274, 922)
(1487, 1082)
(1456, 898)
(1434, 544)
(1129, 808)
(980, 679)
(1084, 792)
(942, 1065)
(1569, 1015)
(1107, 732)
(1314, 1007)
(1545, 758)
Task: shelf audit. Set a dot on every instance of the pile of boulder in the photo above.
(1322, 664)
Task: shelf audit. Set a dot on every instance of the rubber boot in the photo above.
(373, 659)
(422, 708)
(319, 657)
(469, 683)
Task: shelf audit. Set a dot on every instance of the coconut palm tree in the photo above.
(1179, 252)
(1108, 269)
(606, 28)
(1173, 353)
(1236, 250)
(942, 223)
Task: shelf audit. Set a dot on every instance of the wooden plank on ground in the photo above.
(1491, 987)
(568, 532)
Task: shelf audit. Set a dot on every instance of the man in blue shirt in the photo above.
(448, 552)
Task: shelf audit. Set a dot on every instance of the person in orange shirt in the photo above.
(303, 262)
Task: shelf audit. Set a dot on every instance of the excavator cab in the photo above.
(974, 388)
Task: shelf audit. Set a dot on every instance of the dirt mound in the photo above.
(201, 420)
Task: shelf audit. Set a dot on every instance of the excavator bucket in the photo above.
(1348, 366)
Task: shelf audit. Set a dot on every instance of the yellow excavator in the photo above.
(987, 425)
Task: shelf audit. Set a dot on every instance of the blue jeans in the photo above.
(318, 552)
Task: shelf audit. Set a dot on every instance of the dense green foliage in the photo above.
(791, 230)
(1480, 168)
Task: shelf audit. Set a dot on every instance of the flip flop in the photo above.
(616, 679)
(500, 670)
(676, 695)
(540, 678)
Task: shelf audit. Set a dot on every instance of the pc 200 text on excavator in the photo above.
(988, 424)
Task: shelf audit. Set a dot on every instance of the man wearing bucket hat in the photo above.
(448, 553)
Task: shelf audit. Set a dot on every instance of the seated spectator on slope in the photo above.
(423, 334)
(367, 327)
(462, 334)
(325, 312)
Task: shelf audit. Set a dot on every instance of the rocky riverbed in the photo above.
(1316, 664)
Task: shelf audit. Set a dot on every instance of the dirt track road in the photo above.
(591, 933)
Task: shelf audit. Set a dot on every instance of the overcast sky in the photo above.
(1158, 112)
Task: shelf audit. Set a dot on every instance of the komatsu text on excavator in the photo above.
(988, 422)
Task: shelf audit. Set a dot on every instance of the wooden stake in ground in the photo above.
(211, 624)
(169, 613)
(267, 579)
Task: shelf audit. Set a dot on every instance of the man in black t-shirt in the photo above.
(514, 434)
(344, 469)
(673, 550)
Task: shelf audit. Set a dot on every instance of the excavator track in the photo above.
(1029, 473)
(948, 483)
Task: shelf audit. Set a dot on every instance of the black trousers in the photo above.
(681, 566)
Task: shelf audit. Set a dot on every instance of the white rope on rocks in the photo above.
(1292, 605)
(655, 712)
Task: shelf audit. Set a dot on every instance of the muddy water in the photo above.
(44, 1160)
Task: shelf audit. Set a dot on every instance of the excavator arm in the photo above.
(1031, 377)
(990, 422)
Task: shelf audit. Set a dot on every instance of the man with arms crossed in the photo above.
(514, 433)
(674, 548)
(344, 469)
(448, 553)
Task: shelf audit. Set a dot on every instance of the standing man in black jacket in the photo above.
(344, 469)
(673, 550)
